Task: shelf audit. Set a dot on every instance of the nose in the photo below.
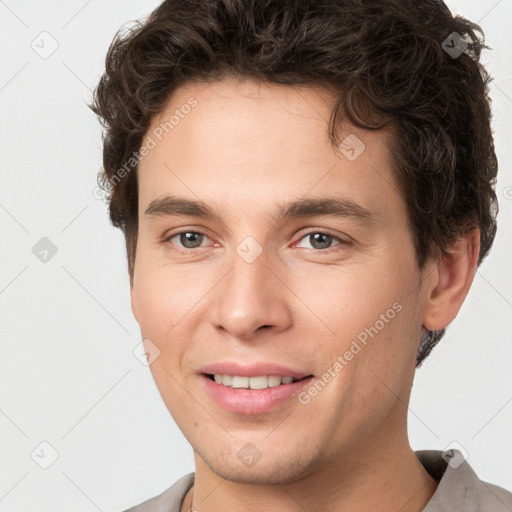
(252, 298)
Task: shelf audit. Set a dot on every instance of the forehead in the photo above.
(248, 143)
(243, 117)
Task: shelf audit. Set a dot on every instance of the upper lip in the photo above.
(252, 370)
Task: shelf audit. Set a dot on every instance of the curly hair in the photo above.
(387, 62)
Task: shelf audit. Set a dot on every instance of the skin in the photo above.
(245, 148)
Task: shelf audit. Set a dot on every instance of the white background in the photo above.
(67, 372)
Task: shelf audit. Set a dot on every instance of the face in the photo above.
(269, 278)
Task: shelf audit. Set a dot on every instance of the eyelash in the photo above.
(189, 251)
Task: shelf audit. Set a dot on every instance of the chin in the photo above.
(275, 471)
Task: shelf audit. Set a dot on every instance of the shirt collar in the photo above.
(459, 488)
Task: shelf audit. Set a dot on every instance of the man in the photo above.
(306, 191)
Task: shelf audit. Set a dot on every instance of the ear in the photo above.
(451, 279)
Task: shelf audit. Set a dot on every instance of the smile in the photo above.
(253, 395)
(260, 382)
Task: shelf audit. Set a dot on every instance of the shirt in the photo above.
(459, 488)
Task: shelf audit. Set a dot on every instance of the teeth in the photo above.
(274, 381)
(261, 382)
(258, 382)
(227, 380)
(240, 382)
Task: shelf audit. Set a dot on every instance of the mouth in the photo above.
(256, 394)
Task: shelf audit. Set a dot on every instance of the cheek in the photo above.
(372, 363)
(153, 306)
(164, 309)
(162, 296)
(343, 302)
(168, 300)
(381, 371)
(374, 327)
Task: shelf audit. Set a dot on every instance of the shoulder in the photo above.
(459, 487)
(170, 500)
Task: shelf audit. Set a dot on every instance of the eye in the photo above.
(321, 241)
(188, 239)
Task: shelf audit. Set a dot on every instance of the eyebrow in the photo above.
(311, 207)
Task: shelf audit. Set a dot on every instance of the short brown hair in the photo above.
(388, 63)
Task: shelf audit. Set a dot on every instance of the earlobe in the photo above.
(455, 272)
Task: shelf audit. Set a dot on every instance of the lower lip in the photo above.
(253, 401)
